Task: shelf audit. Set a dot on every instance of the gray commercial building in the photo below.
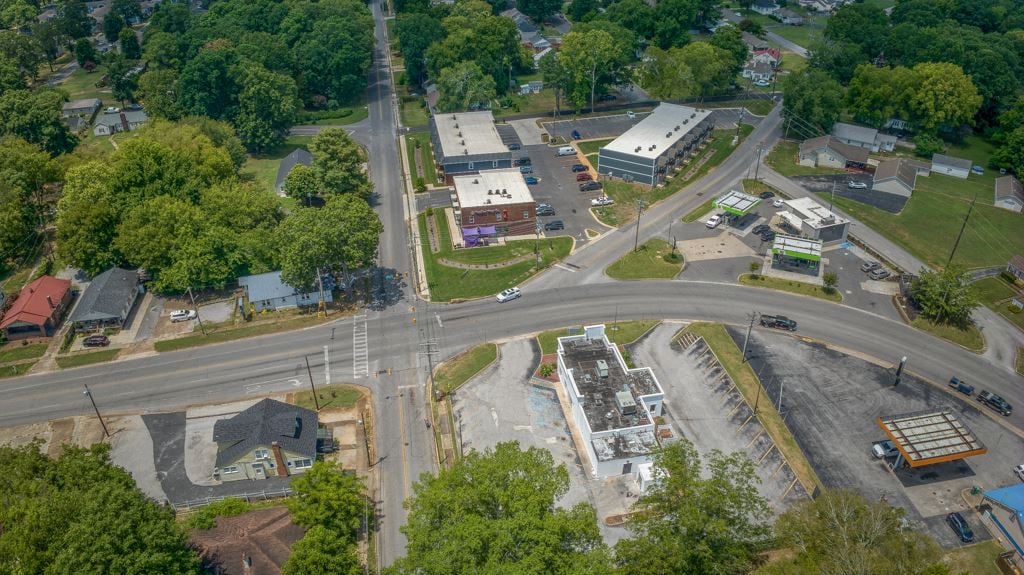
(467, 142)
(656, 145)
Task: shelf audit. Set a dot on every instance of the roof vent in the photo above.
(487, 201)
(453, 117)
(638, 148)
(686, 120)
(465, 152)
(490, 192)
(504, 190)
(668, 134)
(677, 128)
(693, 114)
(460, 133)
(298, 427)
(463, 142)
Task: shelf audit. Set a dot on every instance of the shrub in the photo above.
(754, 268)
(419, 184)
(312, 116)
(829, 281)
(672, 258)
(546, 369)
(928, 144)
(206, 517)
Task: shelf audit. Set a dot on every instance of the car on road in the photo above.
(579, 168)
(530, 181)
(879, 274)
(995, 402)
(778, 322)
(96, 341)
(961, 386)
(576, 135)
(182, 315)
(777, 203)
(884, 449)
(631, 115)
(766, 194)
(590, 186)
(515, 147)
(713, 221)
(509, 295)
(525, 169)
(1019, 471)
(869, 266)
(856, 185)
(959, 526)
(584, 177)
(760, 229)
(602, 201)
(554, 226)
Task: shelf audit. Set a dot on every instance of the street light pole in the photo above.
(316, 401)
(639, 212)
(88, 394)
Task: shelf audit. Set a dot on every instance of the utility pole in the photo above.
(963, 226)
(671, 238)
(782, 384)
(899, 371)
(88, 394)
(832, 199)
(750, 327)
(639, 212)
(316, 401)
(322, 308)
(196, 309)
(757, 165)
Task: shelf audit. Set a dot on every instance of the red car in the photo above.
(584, 177)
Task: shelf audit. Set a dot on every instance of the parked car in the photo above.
(602, 201)
(869, 266)
(778, 322)
(524, 161)
(525, 169)
(978, 169)
(885, 448)
(960, 527)
(590, 186)
(713, 221)
(182, 315)
(96, 341)
(576, 135)
(546, 211)
(584, 177)
(879, 274)
(554, 226)
(777, 203)
(566, 151)
(767, 236)
(856, 185)
(961, 386)
(1019, 471)
(762, 83)
(509, 295)
(579, 168)
(608, 97)
(530, 181)
(760, 228)
(631, 115)
(995, 402)
(766, 194)
(515, 147)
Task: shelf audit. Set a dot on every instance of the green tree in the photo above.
(164, 50)
(17, 229)
(153, 232)
(928, 144)
(129, 44)
(664, 74)
(877, 94)
(84, 52)
(73, 19)
(751, 27)
(50, 41)
(539, 10)
(301, 183)
(695, 520)
(462, 85)
(711, 67)
(730, 39)
(11, 77)
(336, 55)
(945, 96)
(829, 281)
(841, 532)
(338, 161)
(634, 15)
(507, 521)
(327, 497)
(586, 56)
(865, 25)
(1010, 155)
(206, 85)
(267, 105)
(122, 82)
(417, 32)
(838, 58)
(113, 23)
(341, 236)
(492, 42)
(811, 103)
(23, 50)
(17, 13)
(672, 21)
(87, 218)
(172, 17)
(582, 10)
(556, 77)
(158, 89)
(322, 552)
(221, 135)
(945, 296)
(34, 116)
(127, 8)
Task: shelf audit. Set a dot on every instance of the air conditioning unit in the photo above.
(490, 192)
(602, 368)
(668, 134)
(625, 402)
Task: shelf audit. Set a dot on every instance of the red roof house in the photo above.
(37, 311)
(769, 56)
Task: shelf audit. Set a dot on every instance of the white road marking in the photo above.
(494, 416)
(327, 366)
(267, 386)
(360, 348)
(568, 269)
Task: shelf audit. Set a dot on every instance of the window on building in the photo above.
(471, 165)
(494, 164)
(472, 218)
(302, 463)
(261, 453)
(230, 469)
(526, 214)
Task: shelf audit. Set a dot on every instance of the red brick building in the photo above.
(498, 199)
(38, 309)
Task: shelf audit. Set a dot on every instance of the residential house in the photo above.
(758, 71)
(951, 166)
(898, 176)
(1009, 194)
(864, 137)
(753, 42)
(111, 123)
(269, 439)
(789, 17)
(529, 34)
(298, 157)
(38, 309)
(531, 87)
(828, 151)
(1015, 267)
(79, 114)
(769, 56)
(269, 292)
(107, 301)
(765, 7)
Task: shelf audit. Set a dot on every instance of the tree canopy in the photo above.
(945, 295)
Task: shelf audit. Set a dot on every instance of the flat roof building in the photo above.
(737, 203)
(495, 198)
(660, 142)
(818, 222)
(613, 406)
(929, 437)
(467, 142)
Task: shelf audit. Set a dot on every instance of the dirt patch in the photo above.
(264, 536)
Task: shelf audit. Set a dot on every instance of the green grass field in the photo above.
(81, 84)
(221, 334)
(448, 283)
(756, 106)
(783, 159)
(426, 156)
(648, 262)
(993, 290)
(16, 369)
(262, 168)
(790, 286)
(592, 147)
(451, 375)
(15, 351)
(622, 333)
(970, 338)
(328, 396)
(87, 358)
(413, 112)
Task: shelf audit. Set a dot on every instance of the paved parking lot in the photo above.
(830, 402)
(881, 200)
(558, 187)
(615, 125)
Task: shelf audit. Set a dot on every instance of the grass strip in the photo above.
(450, 375)
(969, 338)
(88, 358)
(329, 396)
(746, 381)
(790, 286)
(653, 260)
(16, 369)
(17, 352)
(622, 333)
(218, 335)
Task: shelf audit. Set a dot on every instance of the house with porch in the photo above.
(269, 439)
(38, 309)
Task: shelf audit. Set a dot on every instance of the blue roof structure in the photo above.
(1010, 497)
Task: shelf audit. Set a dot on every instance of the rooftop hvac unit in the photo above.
(587, 378)
(476, 181)
(463, 142)
(686, 121)
(504, 190)
(453, 117)
(677, 128)
(638, 148)
(693, 114)
(465, 152)
(489, 192)
(602, 368)
(624, 401)
(460, 133)
(828, 221)
(668, 134)
(487, 201)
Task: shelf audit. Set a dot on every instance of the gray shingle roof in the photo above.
(854, 133)
(852, 153)
(299, 156)
(953, 161)
(1009, 186)
(292, 427)
(900, 169)
(107, 295)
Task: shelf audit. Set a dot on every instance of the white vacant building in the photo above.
(864, 137)
(816, 221)
(951, 166)
(613, 406)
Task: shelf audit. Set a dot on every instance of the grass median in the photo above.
(622, 333)
(790, 286)
(969, 338)
(16, 369)
(87, 358)
(655, 259)
(330, 396)
(15, 351)
(219, 334)
(748, 384)
(454, 373)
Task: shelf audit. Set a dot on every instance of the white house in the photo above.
(1009, 194)
(863, 137)
(766, 7)
(898, 176)
(828, 152)
(268, 292)
(951, 166)
(758, 71)
(613, 407)
(789, 17)
(108, 124)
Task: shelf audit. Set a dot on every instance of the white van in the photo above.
(566, 151)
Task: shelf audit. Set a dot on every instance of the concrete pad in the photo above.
(883, 288)
(131, 448)
(528, 131)
(724, 245)
(200, 449)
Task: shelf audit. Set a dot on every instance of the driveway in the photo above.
(891, 203)
(433, 199)
(558, 187)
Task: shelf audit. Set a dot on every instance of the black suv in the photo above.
(554, 226)
(778, 322)
(766, 194)
(995, 402)
(579, 168)
(960, 527)
(590, 186)
(524, 161)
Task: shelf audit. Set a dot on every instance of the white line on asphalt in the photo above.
(568, 269)
(327, 366)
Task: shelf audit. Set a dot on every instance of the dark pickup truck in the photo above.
(995, 402)
(778, 322)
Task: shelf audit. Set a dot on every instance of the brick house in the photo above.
(38, 309)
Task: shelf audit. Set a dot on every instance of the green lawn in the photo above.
(413, 112)
(993, 290)
(593, 146)
(970, 338)
(452, 374)
(221, 334)
(802, 36)
(542, 103)
(87, 358)
(792, 63)
(784, 157)
(263, 167)
(1020, 361)
(448, 283)
(649, 262)
(426, 156)
(790, 286)
(977, 559)
(328, 396)
(699, 212)
(358, 112)
(16, 369)
(756, 106)
(622, 333)
(15, 351)
(81, 84)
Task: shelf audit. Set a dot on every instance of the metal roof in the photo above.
(854, 133)
(799, 248)
(814, 214)
(492, 187)
(928, 437)
(468, 134)
(659, 131)
(737, 203)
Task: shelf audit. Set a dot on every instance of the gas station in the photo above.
(930, 437)
(736, 205)
(797, 255)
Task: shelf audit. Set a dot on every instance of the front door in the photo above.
(257, 470)
(627, 468)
